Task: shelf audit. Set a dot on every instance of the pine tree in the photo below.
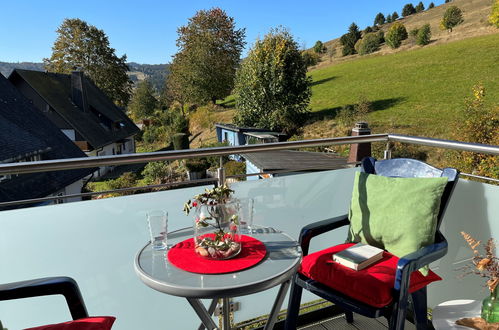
(209, 52)
(349, 39)
(408, 10)
(84, 47)
(380, 19)
(453, 16)
(389, 18)
(395, 16)
(420, 7)
(424, 35)
(431, 5)
(143, 102)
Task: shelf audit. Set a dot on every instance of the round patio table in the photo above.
(277, 268)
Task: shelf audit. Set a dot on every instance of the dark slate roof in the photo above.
(55, 89)
(295, 160)
(24, 130)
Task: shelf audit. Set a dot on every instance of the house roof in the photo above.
(55, 89)
(26, 131)
(295, 160)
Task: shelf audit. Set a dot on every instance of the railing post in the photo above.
(221, 173)
(388, 151)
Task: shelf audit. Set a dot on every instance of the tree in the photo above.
(408, 10)
(494, 14)
(424, 35)
(395, 35)
(319, 47)
(367, 30)
(379, 19)
(395, 16)
(349, 39)
(453, 16)
(143, 102)
(420, 7)
(447, 1)
(369, 44)
(389, 18)
(431, 5)
(80, 46)
(209, 52)
(272, 88)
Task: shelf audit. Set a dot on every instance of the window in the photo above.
(59, 200)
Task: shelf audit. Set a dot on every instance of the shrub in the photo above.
(494, 15)
(349, 39)
(389, 18)
(395, 35)
(234, 168)
(367, 30)
(363, 108)
(395, 16)
(424, 35)
(310, 59)
(414, 32)
(408, 10)
(155, 172)
(431, 5)
(180, 141)
(369, 44)
(214, 161)
(126, 180)
(197, 165)
(379, 19)
(453, 16)
(152, 134)
(420, 7)
(319, 47)
(381, 36)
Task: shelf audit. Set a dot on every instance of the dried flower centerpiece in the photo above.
(216, 223)
(487, 266)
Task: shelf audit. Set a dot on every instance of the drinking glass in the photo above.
(246, 214)
(157, 221)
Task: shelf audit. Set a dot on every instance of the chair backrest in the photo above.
(411, 168)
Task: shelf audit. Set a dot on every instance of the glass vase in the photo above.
(490, 307)
(216, 231)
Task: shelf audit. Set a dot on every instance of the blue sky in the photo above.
(146, 30)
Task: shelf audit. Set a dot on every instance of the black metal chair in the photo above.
(396, 311)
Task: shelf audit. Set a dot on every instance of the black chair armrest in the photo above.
(422, 257)
(47, 286)
(318, 228)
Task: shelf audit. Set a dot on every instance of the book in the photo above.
(358, 256)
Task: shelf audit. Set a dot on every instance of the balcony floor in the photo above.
(360, 323)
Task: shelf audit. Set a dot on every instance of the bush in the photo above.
(389, 18)
(431, 5)
(197, 164)
(414, 32)
(379, 19)
(395, 16)
(395, 35)
(381, 36)
(310, 58)
(180, 141)
(420, 7)
(155, 172)
(424, 35)
(126, 180)
(234, 168)
(214, 161)
(369, 44)
(453, 16)
(319, 47)
(494, 14)
(349, 40)
(152, 134)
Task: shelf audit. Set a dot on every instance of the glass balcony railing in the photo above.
(95, 241)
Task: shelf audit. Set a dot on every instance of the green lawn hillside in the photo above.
(416, 92)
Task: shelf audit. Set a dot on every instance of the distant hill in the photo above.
(156, 73)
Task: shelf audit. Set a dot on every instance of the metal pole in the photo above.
(388, 151)
(221, 173)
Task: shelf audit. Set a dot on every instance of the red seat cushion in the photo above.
(372, 285)
(89, 323)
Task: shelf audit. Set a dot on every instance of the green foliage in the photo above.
(235, 168)
(367, 30)
(478, 123)
(395, 16)
(310, 58)
(143, 102)
(319, 47)
(156, 172)
(331, 51)
(349, 39)
(494, 14)
(152, 134)
(180, 141)
(389, 18)
(197, 164)
(379, 19)
(126, 180)
(369, 44)
(408, 10)
(214, 161)
(424, 35)
(381, 36)
(420, 7)
(395, 35)
(431, 5)
(209, 52)
(453, 16)
(83, 46)
(272, 88)
(447, 1)
(414, 32)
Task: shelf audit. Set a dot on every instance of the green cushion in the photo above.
(396, 214)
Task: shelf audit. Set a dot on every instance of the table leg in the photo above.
(211, 309)
(203, 314)
(277, 305)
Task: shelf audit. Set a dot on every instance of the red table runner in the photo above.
(183, 256)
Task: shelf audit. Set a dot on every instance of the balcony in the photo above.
(95, 241)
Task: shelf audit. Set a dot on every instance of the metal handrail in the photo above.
(96, 161)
